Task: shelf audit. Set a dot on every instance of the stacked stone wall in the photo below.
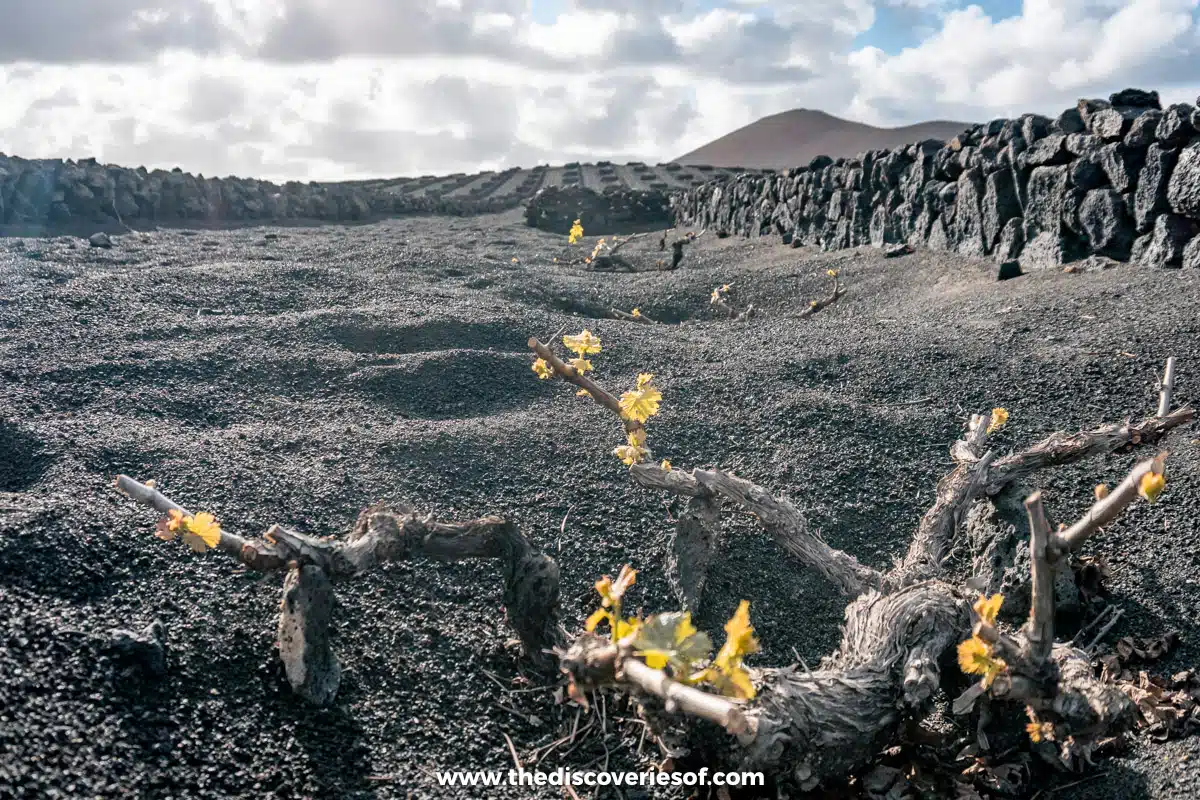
(614, 210)
(1117, 178)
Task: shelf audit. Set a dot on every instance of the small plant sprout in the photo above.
(670, 641)
(199, 532)
(975, 655)
(1038, 731)
(721, 298)
(1153, 482)
(542, 369)
(641, 403)
(635, 451)
(576, 232)
(834, 295)
(585, 343)
(611, 592)
(635, 406)
(999, 419)
(636, 315)
(726, 672)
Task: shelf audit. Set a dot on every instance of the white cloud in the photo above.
(1043, 60)
(326, 89)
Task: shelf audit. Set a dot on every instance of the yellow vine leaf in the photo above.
(999, 418)
(1101, 491)
(975, 658)
(598, 616)
(1151, 486)
(585, 343)
(637, 437)
(726, 671)
(581, 365)
(988, 607)
(576, 232)
(635, 313)
(583, 393)
(627, 627)
(833, 273)
(205, 526)
(1038, 731)
(671, 639)
(199, 532)
(642, 403)
(655, 659)
(543, 369)
(665, 465)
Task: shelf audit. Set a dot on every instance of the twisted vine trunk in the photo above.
(804, 727)
(815, 725)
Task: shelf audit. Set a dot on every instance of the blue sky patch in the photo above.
(898, 27)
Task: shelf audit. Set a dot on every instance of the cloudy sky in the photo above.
(330, 89)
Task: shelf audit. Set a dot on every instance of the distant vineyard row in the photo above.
(518, 184)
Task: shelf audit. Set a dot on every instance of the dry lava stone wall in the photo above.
(55, 193)
(556, 208)
(1118, 178)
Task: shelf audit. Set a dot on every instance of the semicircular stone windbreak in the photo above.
(23, 458)
(456, 384)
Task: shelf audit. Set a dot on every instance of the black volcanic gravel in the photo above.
(296, 375)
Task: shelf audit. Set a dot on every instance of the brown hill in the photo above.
(794, 138)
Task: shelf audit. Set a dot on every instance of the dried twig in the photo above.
(1105, 510)
(1099, 619)
(954, 495)
(638, 317)
(381, 534)
(816, 305)
(512, 750)
(1065, 448)
(146, 494)
(1108, 626)
(720, 299)
(778, 516)
(1039, 631)
(677, 248)
(1168, 386)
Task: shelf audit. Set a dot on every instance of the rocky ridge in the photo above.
(1117, 179)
